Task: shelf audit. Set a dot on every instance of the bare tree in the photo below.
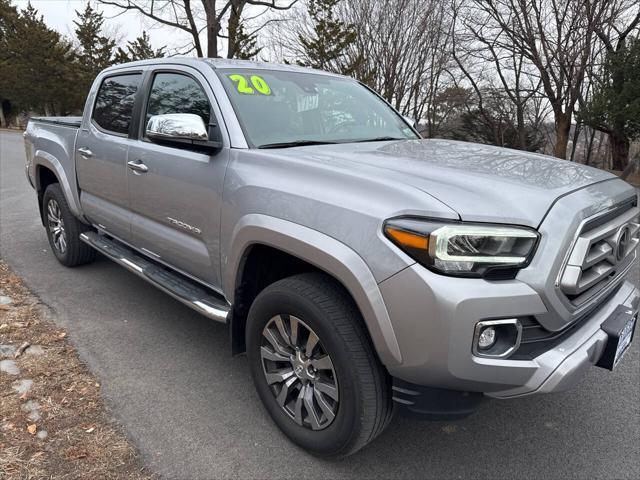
(406, 47)
(489, 67)
(400, 49)
(556, 37)
(196, 16)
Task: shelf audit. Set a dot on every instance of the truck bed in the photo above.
(51, 142)
(73, 122)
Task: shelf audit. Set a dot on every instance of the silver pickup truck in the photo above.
(360, 267)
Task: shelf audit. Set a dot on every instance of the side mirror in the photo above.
(185, 129)
(178, 126)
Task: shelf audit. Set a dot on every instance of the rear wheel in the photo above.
(64, 229)
(314, 367)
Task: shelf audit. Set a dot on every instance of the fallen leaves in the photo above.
(8, 426)
(88, 427)
(76, 453)
(21, 349)
(73, 424)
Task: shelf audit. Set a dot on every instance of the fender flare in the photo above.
(44, 159)
(326, 253)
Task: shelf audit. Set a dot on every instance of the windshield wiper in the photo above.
(296, 143)
(378, 139)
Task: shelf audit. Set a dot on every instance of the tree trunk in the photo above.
(619, 145)
(195, 34)
(522, 132)
(576, 140)
(601, 141)
(3, 120)
(213, 27)
(563, 127)
(590, 140)
(212, 40)
(234, 23)
(633, 165)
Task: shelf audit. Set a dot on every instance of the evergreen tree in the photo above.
(246, 45)
(615, 105)
(139, 49)
(8, 19)
(240, 44)
(34, 63)
(96, 50)
(8, 14)
(331, 37)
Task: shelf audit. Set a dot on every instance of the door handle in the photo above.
(138, 167)
(85, 152)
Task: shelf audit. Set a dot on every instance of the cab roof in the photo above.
(216, 63)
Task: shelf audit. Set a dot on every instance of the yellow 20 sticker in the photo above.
(258, 84)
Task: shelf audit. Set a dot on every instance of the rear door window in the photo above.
(114, 103)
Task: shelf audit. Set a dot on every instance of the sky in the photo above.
(59, 15)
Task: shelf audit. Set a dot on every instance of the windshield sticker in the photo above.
(258, 84)
(307, 102)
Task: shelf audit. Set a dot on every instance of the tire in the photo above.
(317, 303)
(65, 243)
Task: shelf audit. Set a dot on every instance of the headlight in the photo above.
(464, 249)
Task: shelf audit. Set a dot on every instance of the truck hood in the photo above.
(480, 182)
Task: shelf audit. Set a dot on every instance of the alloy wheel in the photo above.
(299, 372)
(56, 226)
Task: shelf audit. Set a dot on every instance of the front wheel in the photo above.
(314, 367)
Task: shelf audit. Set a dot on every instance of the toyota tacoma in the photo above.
(361, 268)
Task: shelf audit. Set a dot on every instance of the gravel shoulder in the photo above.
(53, 422)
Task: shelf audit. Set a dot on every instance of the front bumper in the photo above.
(434, 318)
(562, 367)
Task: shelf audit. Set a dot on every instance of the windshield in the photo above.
(280, 109)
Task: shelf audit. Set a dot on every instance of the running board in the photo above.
(201, 299)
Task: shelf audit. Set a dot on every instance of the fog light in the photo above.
(487, 338)
(496, 338)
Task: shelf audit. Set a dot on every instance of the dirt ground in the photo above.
(53, 423)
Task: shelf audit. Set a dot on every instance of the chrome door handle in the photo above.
(85, 152)
(137, 166)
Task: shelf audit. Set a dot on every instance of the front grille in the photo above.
(605, 247)
(537, 340)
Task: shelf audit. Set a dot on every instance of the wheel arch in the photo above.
(44, 177)
(307, 249)
(48, 167)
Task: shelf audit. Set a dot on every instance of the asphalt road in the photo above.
(169, 379)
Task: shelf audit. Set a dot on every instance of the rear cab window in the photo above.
(113, 108)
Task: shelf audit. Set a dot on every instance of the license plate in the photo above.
(619, 327)
(625, 339)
